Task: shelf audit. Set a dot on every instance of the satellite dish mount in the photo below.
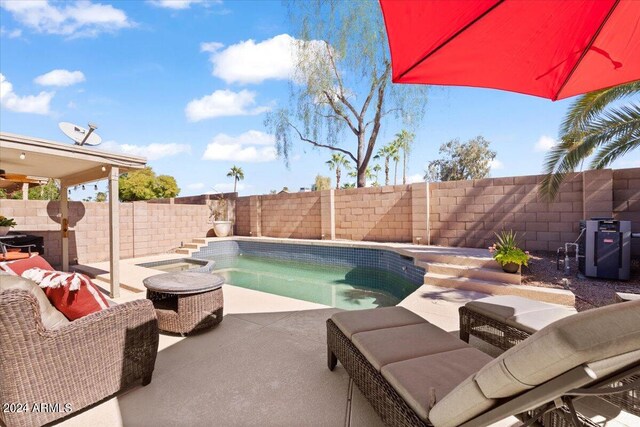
(80, 135)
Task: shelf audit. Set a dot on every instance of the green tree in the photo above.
(471, 160)
(597, 123)
(321, 183)
(404, 141)
(342, 81)
(387, 152)
(48, 191)
(237, 174)
(143, 184)
(101, 196)
(337, 162)
(348, 185)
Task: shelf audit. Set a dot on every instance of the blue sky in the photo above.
(187, 84)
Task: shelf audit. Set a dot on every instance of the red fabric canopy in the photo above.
(548, 48)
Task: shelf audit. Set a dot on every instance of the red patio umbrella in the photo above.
(548, 48)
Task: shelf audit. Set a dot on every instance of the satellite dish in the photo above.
(80, 135)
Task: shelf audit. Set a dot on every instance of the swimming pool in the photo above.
(344, 277)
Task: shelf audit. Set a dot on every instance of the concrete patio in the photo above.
(265, 364)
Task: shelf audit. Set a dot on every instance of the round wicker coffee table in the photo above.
(186, 301)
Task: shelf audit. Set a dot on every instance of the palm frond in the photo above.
(588, 106)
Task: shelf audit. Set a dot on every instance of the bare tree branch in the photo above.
(383, 115)
(378, 115)
(339, 112)
(317, 144)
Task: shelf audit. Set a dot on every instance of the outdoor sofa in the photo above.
(51, 367)
(416, 374)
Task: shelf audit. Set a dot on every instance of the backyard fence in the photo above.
(461, 213)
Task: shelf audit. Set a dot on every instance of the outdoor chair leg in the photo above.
(332, 360)
(147, 380)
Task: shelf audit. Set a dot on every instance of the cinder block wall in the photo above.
(462, 213)
(626, 200)
(381, 214)
(145, 228)
(297, 215)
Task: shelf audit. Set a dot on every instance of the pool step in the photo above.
(556, 296)
(470, 257)
(471, 272)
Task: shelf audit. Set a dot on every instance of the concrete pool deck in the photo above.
(265, 364)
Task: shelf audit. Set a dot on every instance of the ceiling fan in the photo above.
(16, 177)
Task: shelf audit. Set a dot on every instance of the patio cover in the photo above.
(72, 165)
(548, 48)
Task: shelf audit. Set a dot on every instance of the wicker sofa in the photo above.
(415, 374)
(46, 359)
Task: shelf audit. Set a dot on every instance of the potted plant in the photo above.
(507, 253)
(219, 216)
(6, 224)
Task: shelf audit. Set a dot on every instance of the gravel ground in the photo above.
(589, 292)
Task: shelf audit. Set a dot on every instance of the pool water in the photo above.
(349, 288)
(174, 267)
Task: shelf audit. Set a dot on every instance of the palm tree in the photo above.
(404, 140)
(368, 175)
(338, 161)
(387, 152)
(376, 169)
(237, 174)
(596, 123)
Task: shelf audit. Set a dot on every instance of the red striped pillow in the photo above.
(73, 294)
(18, 267)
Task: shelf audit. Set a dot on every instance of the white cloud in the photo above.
(419, 177)
(252, 147)
(210, 46)
(196, 186)
(180, 4)
(60, 78)
(78, 19)
(496, 164)
(12, 34)
(36, 104)
(251, 62)
(545, 143)
(152, 151)
(224, 103)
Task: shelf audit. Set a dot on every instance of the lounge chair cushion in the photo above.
(503, 307)
(533, 321)
(51, 318)
(352, 322)
(389, 345)
(585, 337)
(427, 379)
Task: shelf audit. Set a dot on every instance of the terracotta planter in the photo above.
(4, 230)
(511, 267)
(222, 228)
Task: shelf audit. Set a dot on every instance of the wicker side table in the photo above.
(186, 301)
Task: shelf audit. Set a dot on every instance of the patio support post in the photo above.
(114, 233)
(64, 225)
(25, 191)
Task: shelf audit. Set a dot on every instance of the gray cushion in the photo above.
(503, 307)
(585, 337)
(463, 403)
(425, 380)
(51, 318)
(352, 322)
(389, 345)
(533, 321)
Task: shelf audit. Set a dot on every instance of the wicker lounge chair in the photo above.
(44, 358)
(415, 374)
